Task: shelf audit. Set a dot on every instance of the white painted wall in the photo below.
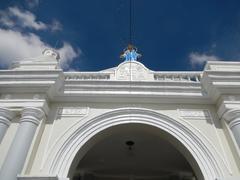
(73, 99)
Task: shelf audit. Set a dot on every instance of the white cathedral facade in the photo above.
(122, 123)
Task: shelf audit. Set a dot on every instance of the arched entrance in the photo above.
(133, 152)
(204, 159)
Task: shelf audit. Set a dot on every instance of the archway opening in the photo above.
(134, 151)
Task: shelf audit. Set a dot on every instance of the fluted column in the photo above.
(6, 116)
(18, 151)
(232, 117)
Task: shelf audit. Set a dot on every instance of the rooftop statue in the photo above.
(130, 53)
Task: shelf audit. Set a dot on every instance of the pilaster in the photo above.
(232, 117)
(18, 151)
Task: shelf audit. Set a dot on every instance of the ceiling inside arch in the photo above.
(150, 157)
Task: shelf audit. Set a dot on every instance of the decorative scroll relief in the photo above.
(73, 111)
(195, 114)
(132, 71)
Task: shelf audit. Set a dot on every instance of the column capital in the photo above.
(232, 117)
(6, 115)
(32, 114)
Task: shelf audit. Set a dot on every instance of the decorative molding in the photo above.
(50, 177)
(231, 115)
(203, 114)
(193, 114)
(79, 76)
(234, 123)
(208, 159)
(30, 114)
(8, 96)
(6, 115)
(178, 76)
(132, 70)
(51, 53)
(49, 148)
(36, 96)
(222, 66)
(72, 111)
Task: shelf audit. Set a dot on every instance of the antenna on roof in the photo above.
(130, 21)
(130, 52)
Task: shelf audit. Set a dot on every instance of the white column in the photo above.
(18, 151)
(232, 117)
(6, 116)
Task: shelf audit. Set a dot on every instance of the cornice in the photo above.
(17, 105)
(219, 83)
(25, 81)
(132, 91)
(222, 65)
(183, 87)
(8, 77)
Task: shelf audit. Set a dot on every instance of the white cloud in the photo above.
(67, 54)
(199, 59)
(32, 3)
(17, 42)
(6, 20)
(14, 17)
(17, 46)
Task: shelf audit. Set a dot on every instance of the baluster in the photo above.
(196, 77)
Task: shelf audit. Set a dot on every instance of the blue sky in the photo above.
(91, 34)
